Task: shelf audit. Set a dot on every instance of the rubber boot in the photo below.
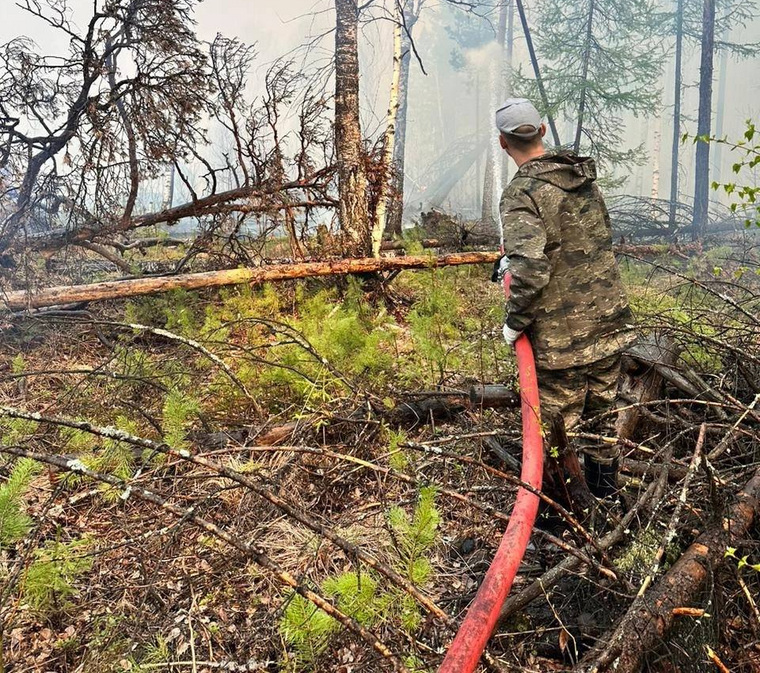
(601, 477)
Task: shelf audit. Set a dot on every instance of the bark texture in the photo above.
(396, 205)
(352, 174)
(702, 164)
(381, 215)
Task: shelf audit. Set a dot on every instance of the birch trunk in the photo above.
(167, 198)
(497, 90)
(656, 141)
(720, 108)
(388, 167)
(396, 206)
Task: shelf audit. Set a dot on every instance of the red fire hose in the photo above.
(469, 642)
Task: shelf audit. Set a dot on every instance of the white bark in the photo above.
(381, 215)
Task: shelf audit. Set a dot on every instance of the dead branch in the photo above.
(670, 532)
(159, 447)
(538, 588)
(650, 617)
(257, 555)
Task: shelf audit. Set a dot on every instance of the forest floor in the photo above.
(280, 434)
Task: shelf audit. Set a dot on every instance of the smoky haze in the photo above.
(451, 103)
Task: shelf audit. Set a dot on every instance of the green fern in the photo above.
(49, 581)
(15, 524)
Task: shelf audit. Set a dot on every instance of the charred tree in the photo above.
(676, 114)
(352, 177)
(704, 119)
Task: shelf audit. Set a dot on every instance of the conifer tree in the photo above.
(600, 59)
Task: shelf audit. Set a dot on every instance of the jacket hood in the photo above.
(565, 170)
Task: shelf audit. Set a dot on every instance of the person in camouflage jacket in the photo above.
(566, 293)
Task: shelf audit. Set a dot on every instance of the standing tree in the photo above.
(409, 14)
(497, 88)
(601, 58)
(689, 24)
(352, 175)
(702, 165)
(676, 112)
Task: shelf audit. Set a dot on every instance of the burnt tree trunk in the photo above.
(676, 114)
(564, 480)
(648, 621)
(352, 177)
(704, 118)
(642, 381)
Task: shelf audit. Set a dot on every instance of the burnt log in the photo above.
(651, 616)
(642, 380)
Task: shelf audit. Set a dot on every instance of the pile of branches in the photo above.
(641, 219)
(660, 577)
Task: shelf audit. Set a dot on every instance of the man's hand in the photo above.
(510, 335)
(500, 268)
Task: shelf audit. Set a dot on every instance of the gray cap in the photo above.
(517, 112)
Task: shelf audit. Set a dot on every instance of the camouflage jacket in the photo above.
(566, 290)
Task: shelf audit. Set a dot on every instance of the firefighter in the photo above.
(566, 292)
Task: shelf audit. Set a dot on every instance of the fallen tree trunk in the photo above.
(121, 289)
(650, 617)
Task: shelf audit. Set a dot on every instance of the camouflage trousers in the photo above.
(581, 393)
